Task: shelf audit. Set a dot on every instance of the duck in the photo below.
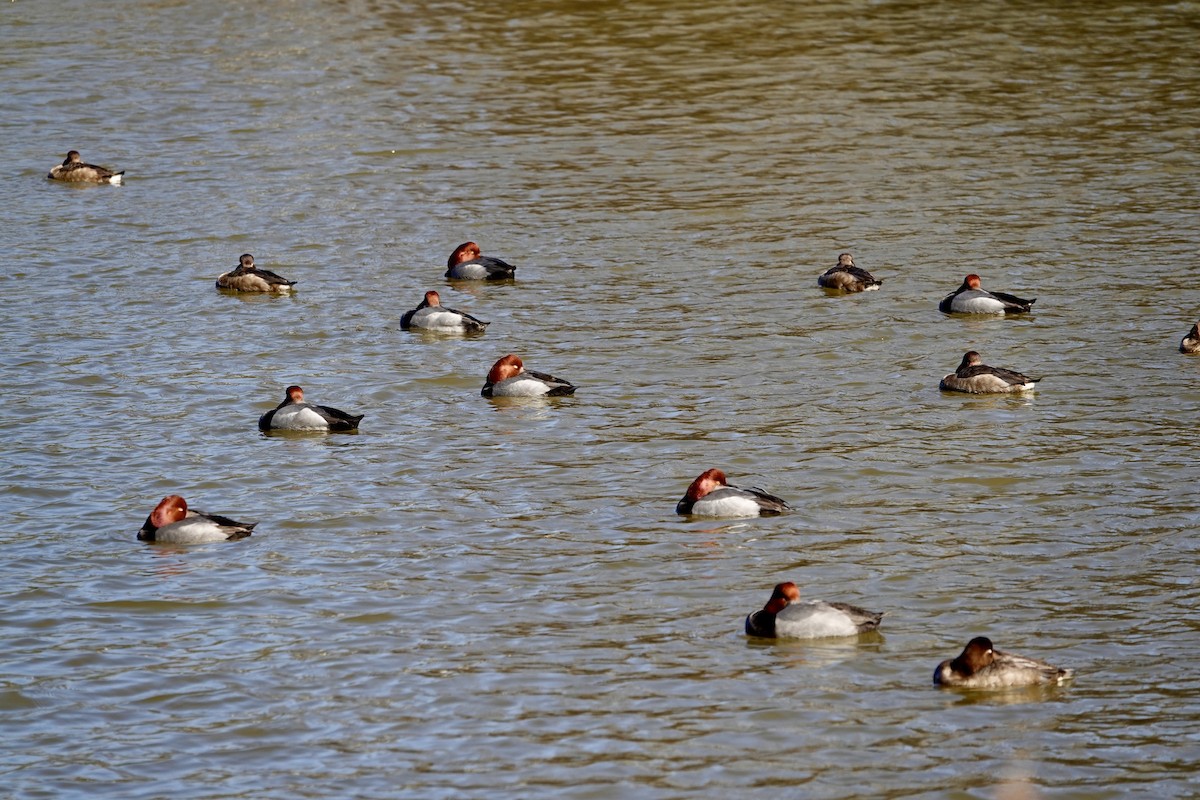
(467, 262)
(1191, 343)
(293, 414)
(975, 377)
(432, 315)
(784, 616)
(980, 666)
(172, 522)
(710, 495)
(73, 170)
(970, 299)
(509, 378)
(845, 277)
(246, 277)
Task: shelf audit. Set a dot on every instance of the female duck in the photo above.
(975, 377)
(74, 170)
(172, 522)
(710, 495)
(433, 316)
(970, 299)
(784, 616)
(979, 666)
(509, 378)
(246, 277)
(845, 277)
(293, 414)
(1191, 342)
(468, 263)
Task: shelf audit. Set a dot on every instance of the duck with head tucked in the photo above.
(509, 378)
(1190, 344)
(467, 262)
(431, 315)
(293, 414)
(784, 616)
(172, 522)
(845, 277)
(710, 495)
(73, 170)
(980, 666)
(971, 299)
(975, 377)
(246, 277)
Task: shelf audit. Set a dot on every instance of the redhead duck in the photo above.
(710, 495)
(432, 315)
(509, 378)
(1191, 342)
(468, 263)
(979, 666)
(172, 522)
(246, 277)
(975, 377)
(970, 299)
(293, 414)
(73, 170)
(784, 616)
(845, 277)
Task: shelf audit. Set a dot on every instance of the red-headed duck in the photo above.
(467, 262)
(710, 495)
(845, 277)
(970, 299)
(293, 414)
(246, 277)
(433, 316)
(1191, 342)
(980, 666)
(785, 617)
(509, 378)
(975, 377)
(172, 522)
(73, 170)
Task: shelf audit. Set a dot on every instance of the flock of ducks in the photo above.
(979, 666)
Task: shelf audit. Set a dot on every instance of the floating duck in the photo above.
(845, 277)
(433, 316)
(970, 299)
(172, 522)
(246, 277)
(980, 666)
(784, 616)
(468, 263)
(975, 377)
(73, 170)
(293, 414)
(710, 495)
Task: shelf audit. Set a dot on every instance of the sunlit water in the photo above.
(472, 598)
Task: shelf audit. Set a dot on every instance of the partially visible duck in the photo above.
(73, 170)
(173, 522)
(432, 315)
(846, 277)
(509, 378)
(980, 666)
(975, 377)
(1191, 342)
(710, 495)
(970, 299)
(246, 277)
(784, 616)
(468, 262)
(293, 414)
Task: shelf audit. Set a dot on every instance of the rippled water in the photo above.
(475, 598)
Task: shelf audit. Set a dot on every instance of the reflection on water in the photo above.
(478, 596)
